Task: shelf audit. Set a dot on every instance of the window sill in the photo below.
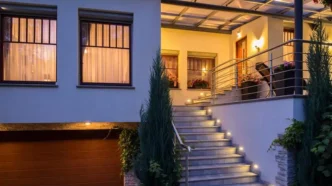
(29, 85)
(105, 87)
(174, 88)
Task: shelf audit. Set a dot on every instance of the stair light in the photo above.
(189, 101)
(256, 166)
(229, 133)
(209, 110)
(87, 123)
(202, 94)
(241, 148)
(218, 120)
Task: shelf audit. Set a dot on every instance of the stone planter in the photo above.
(284, 82)
(130, 179)
(249, 90)
(287, 168)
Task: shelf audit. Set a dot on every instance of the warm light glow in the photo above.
(241, 148)
(256, 166)
(258, 44)
(87, 123)
(229, 133)
(202, 94)
(85, 51)
(204, 69)
(189, 100)
(239, 35)
(3, 8)
(218, 120)
(209, 110)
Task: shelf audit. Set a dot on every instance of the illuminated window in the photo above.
(199, 72)
(288, 50)
(28, 49)
(171, 66)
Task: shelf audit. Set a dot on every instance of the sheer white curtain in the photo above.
(199, 69)
(105, 53)
(29, 49)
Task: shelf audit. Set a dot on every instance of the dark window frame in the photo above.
(2, 41)
(110, 22)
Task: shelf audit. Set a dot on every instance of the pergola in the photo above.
(223, 16)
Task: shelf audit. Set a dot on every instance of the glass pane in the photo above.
(92, 37)
(113, 35)
(126, 37)
(30, 30)
(106, 35)
(29, 62)
(46, 31)
(100, 35)
(7, 31)
(105, 65)
(85, 33)
(15, 29)
(38, 30)
(23, 29)
(119, 36)
(53, 32)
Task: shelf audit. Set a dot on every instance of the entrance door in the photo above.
(241, 53)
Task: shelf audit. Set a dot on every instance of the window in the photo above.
(105, 53)
(28, 49)
(288, 50)
(171, 66)
(199, 72)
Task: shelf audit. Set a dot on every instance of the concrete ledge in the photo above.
(65, 126)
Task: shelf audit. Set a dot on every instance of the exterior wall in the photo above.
(255, 129)
(184, 41)
(67, 103)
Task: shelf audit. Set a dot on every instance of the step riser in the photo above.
(191, 118)
(209, 144)
(202, 101)
(225, 170)
(194, 124)
(213, 161)
(211, 136)
(185, 109)
(201, 130)
(248, 179)
(211, 152)
(198, 104)
(191, 113)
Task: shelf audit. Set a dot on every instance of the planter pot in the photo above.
(284, 82)
(249, 90)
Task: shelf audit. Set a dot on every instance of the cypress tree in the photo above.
(319, 89)
(157, 163)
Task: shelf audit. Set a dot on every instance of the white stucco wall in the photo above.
(184, 41)
(254, 125)
(66, 103)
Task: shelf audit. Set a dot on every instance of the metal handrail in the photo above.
(188, 150)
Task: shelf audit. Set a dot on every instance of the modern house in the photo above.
(73, 72)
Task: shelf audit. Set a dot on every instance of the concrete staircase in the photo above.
(228, 95)
(213, 160)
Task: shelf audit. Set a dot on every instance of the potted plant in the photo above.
(326, 3)
(284, 77)
(200, 84)
(249, 86)
(173, 82)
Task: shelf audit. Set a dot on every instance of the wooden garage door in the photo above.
(60, 158)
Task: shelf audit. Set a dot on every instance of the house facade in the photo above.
(74, 72)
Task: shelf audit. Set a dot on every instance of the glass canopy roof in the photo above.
(227, 15)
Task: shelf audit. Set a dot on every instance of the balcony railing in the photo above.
(270, 73)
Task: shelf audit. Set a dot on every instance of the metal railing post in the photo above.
(187, 168)
(271, 75)
(236, 77)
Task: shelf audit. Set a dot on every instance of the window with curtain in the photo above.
(105, 50)
(28, 49)
(199, 72)
(288, 50)
(171, 67)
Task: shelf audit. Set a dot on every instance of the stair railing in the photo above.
(188, 150)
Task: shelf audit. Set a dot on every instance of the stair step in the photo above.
(208, 143)
(217, 169)
(222, 179)
(210, 151)
(190, 113)
(195, 123)
(191, 118)
(199, 129)
(202, 136)
(204, 104)
(212, 160)
(184, 108)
